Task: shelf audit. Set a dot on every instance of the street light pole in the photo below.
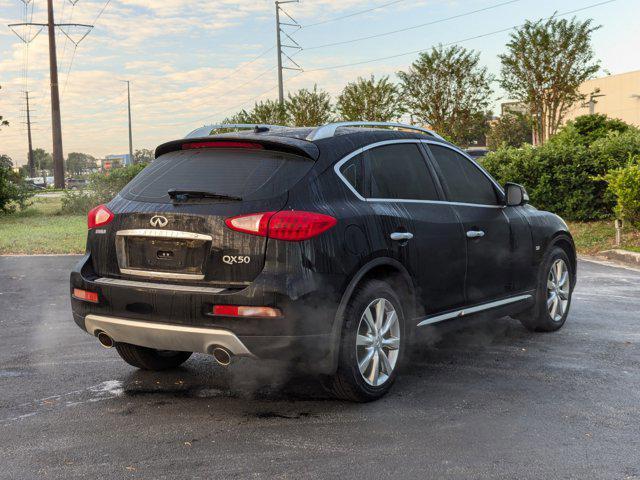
(130, 134)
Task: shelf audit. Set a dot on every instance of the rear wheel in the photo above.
(372, 343)
(553, 293)
(149, 358)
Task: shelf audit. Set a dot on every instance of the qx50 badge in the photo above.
(159, 221)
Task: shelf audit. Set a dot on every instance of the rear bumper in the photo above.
(177, 317)
(162, 336)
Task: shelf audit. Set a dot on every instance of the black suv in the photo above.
(328, 247)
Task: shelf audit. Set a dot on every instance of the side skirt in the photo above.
(430, 320)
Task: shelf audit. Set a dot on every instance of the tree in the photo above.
(511, 130)
(309, 107)
(545, 63)
(270, 112)
(447, 89)
(78, 163)
(5, 161)
(14, 192)
(238, 118)
(144, 155)
(368, 99)
(42, 159)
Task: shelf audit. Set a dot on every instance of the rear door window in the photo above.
(249, 174)
(353, 174)
(464, 180)
(399, 171)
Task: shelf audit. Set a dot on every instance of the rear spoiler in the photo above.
(295, 146)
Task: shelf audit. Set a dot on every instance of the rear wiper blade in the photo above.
(176, 194)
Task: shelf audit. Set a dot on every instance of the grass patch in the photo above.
(594, 237)
(41, 229)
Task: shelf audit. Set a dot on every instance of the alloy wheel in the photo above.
(378, 342)
(558, 290)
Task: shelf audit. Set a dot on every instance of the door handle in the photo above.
(401, 236)
(475, 234)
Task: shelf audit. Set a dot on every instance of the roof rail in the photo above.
(206, 130)
(329, 130)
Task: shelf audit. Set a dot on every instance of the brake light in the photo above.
(85, 295)
(289, 225)
(239, 311)
(99, 216)
(248, 145)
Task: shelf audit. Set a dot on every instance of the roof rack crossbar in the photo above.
(206, 130)
(329, 130)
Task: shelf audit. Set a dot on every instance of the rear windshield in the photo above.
(249, 174)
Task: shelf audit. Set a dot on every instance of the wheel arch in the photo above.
(381, 268)
(565, 242)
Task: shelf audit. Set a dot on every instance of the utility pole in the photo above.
(32, 166)
(280, 45)
(129, 108)
(56, 124)
(592, 101)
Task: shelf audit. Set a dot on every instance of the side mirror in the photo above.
(516, 195)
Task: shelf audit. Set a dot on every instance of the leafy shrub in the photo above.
(14, 192)
(586, 129)
(101, 188)
(624, 184)
(566, 175)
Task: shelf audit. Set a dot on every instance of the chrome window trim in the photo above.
(468, 311)
(336, 169)
(161, 275)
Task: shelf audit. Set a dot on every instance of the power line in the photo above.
(475, 37)
(335, 19)
(392, 32)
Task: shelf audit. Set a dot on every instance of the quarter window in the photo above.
(399, 171)
(352, 172)
(465, 182)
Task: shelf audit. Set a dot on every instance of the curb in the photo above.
(622, 256)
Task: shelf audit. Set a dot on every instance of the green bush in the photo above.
(101, 188)
(624, 184)
(566, 175)
(14, 192)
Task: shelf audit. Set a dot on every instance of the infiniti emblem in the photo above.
(159, 221)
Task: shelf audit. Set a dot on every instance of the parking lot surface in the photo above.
(485, 400)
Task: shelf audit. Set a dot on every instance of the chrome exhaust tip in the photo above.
(222, 356)
(105, 340)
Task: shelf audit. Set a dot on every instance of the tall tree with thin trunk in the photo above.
(308, 108)
(368, 99)
(545, 63)
(448, 89)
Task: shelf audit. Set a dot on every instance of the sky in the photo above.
(196, 62)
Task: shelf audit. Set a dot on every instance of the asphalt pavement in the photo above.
(487, 400)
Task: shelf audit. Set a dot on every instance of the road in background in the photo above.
(489, 400)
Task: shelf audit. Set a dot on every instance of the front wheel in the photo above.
(372, 343)
(553, 293)
(149, 358)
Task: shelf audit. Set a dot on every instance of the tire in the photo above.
(539, 318)
(349, 383)
(150, 359)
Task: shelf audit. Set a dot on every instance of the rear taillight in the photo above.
(99, 216)
(85, 295)
(247, 145)
(240, 311)
(289, 225)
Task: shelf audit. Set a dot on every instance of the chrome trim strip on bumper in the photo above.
(470, 310)
(162, 336)
(161, 275)
(157, 286)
